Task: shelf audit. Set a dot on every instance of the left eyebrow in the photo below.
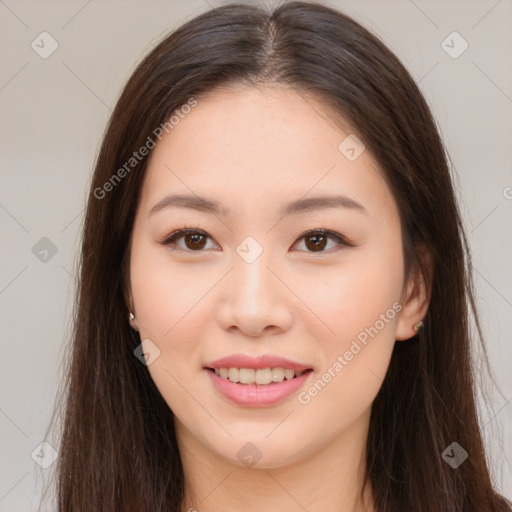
(206, 205)
(199, 203)
(322, 203)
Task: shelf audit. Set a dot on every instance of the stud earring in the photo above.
(418, 327)
(131, 317)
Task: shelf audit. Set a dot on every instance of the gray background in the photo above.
(53, 114)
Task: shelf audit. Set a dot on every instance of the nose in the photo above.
(254, 300)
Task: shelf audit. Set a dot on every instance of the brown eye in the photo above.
(194, 240)
(317, 240)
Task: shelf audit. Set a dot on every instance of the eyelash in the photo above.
(176, 235)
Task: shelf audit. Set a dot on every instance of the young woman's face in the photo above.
(254, 288)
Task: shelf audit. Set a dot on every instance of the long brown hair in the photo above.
(118, 449)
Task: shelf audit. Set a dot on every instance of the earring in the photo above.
(418, 327)
(131, 317)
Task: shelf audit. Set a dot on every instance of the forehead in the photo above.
(253, 146)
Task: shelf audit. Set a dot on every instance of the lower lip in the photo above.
(251, 395)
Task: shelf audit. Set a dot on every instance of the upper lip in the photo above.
(259, 362)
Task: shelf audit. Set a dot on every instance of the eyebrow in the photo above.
(303, 205)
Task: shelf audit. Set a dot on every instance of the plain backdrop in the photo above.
(53, 114)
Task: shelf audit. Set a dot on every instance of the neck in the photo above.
(328, 480)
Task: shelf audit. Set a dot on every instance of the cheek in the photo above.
(164, 292)
(170, 302)
(354, 295)
(361, 306)
(170, 313)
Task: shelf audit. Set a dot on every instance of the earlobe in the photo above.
(133, 323)
(131, 315)
(416, 300)
(129, 304)
(418, 327)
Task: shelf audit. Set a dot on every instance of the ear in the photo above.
(133, 323)
(416, 294)
(130, 307)
(131, 312)
(127, 289)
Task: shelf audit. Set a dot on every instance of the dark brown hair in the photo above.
(118, 449)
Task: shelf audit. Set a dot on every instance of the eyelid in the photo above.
(340, 239)
(331, 234)
(181, 232)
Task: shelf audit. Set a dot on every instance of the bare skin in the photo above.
(253, 151)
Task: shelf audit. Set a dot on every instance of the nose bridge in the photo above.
(253, 280)
(254, 299)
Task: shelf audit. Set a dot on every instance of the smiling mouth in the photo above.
(258, 377)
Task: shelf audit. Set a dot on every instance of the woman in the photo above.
(273, 291)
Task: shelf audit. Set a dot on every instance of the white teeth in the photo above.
(246, 375)
(289, 374)
(233, 375)
(277, 374)
(263, 376)
(260, 377)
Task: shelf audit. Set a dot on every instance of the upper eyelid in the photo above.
(329, 233)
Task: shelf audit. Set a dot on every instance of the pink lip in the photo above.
(251, 395)
(258, 363)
